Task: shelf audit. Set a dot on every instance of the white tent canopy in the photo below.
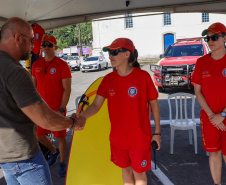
(51, 14)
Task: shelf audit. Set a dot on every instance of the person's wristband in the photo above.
(61, 110)
(73, 126)
(156, 134)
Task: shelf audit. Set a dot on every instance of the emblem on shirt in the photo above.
(52, 70)
(132, 91)
(37, 36)
(111, 92)
(224, 72)
(144, 163)
(38, 69)
(206, 74)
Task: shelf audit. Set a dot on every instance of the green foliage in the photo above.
(69, 35)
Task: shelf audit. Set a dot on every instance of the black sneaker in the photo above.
(62, 169)
(53, 157)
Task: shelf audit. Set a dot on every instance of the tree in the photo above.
(68, 36)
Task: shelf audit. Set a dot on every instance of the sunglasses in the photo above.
(115, 52)
(213, 37)
(32, 40)
(50, 45)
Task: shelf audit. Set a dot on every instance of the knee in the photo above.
(127, 171)
(140, 176)
(215, 155)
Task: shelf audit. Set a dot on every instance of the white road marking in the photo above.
(161, 176)
(163, 166)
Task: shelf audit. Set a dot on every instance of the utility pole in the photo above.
(80, 43)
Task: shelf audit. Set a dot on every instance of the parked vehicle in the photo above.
(63, 56)
(74, 62)
(176, 65)
(94, 63)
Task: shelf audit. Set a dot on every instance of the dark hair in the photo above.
(133, 59)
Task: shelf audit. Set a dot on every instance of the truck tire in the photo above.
(160, 89)
(106, 66)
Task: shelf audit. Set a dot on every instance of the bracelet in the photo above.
(156, 134)
(73, 126)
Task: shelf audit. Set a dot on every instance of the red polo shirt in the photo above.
(49, 85)
(128, 98)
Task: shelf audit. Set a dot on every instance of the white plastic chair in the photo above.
(76, 106)
(77, 101)
(181, 120)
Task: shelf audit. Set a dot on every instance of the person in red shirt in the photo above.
(39, 33)
(129, 91)
(52, 78)
(210, 90)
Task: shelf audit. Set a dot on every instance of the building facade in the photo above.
(152, 34)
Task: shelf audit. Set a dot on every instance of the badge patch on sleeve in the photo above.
(224, 72)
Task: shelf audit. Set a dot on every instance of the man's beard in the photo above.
(25, 55)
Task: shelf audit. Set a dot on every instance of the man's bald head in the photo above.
(17, 38)
(12, 26)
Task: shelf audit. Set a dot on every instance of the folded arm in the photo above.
(215, 119)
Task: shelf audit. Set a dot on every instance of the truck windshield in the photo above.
(185, 50)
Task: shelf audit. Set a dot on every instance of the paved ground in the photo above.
(181, 168)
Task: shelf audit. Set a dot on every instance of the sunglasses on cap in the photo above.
(213, 37)
(50, 45)
(115, 52)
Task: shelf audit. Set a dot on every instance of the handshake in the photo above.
(78, 122)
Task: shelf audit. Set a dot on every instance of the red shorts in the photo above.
(213, 139)
(41, 131)
(140, 160)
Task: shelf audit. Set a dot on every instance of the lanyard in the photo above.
(46, 67)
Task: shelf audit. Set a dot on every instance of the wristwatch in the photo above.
(61, 110)
(73, 125)
(223, 114)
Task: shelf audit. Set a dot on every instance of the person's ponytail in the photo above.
(133, 59)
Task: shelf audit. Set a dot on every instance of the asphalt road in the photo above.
(181, 168)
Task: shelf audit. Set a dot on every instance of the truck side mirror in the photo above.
(160, 56)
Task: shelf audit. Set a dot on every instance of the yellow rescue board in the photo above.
(89, 161)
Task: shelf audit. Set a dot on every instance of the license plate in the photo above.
(175, 78)
(175, 69)
(86, 67)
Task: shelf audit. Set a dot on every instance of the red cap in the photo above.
(49, 38)
(120, 43)
(216, 28)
